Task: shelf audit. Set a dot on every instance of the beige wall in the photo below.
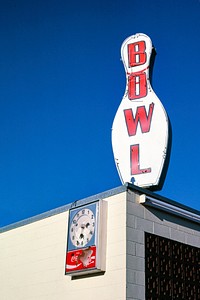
(32, 260)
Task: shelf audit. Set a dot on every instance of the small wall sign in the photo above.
(86, 240)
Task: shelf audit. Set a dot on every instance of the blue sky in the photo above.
(61, 82)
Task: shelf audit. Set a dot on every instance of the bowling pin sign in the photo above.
(140, 130)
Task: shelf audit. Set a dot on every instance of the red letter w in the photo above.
(140, 117)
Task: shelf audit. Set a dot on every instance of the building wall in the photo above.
(32, 254)
(141, 219)
(32, 260)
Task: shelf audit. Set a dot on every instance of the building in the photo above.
(152, 252)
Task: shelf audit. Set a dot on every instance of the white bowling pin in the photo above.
(140, 130)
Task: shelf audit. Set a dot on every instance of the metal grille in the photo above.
(172, 269)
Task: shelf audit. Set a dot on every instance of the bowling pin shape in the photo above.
(140, 131)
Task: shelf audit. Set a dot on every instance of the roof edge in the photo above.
(64, 208)
(103, 195)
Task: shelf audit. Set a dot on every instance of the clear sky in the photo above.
(61, 82)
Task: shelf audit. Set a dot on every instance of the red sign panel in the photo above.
(80, 260)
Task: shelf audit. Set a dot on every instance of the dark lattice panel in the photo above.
(172, 269)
